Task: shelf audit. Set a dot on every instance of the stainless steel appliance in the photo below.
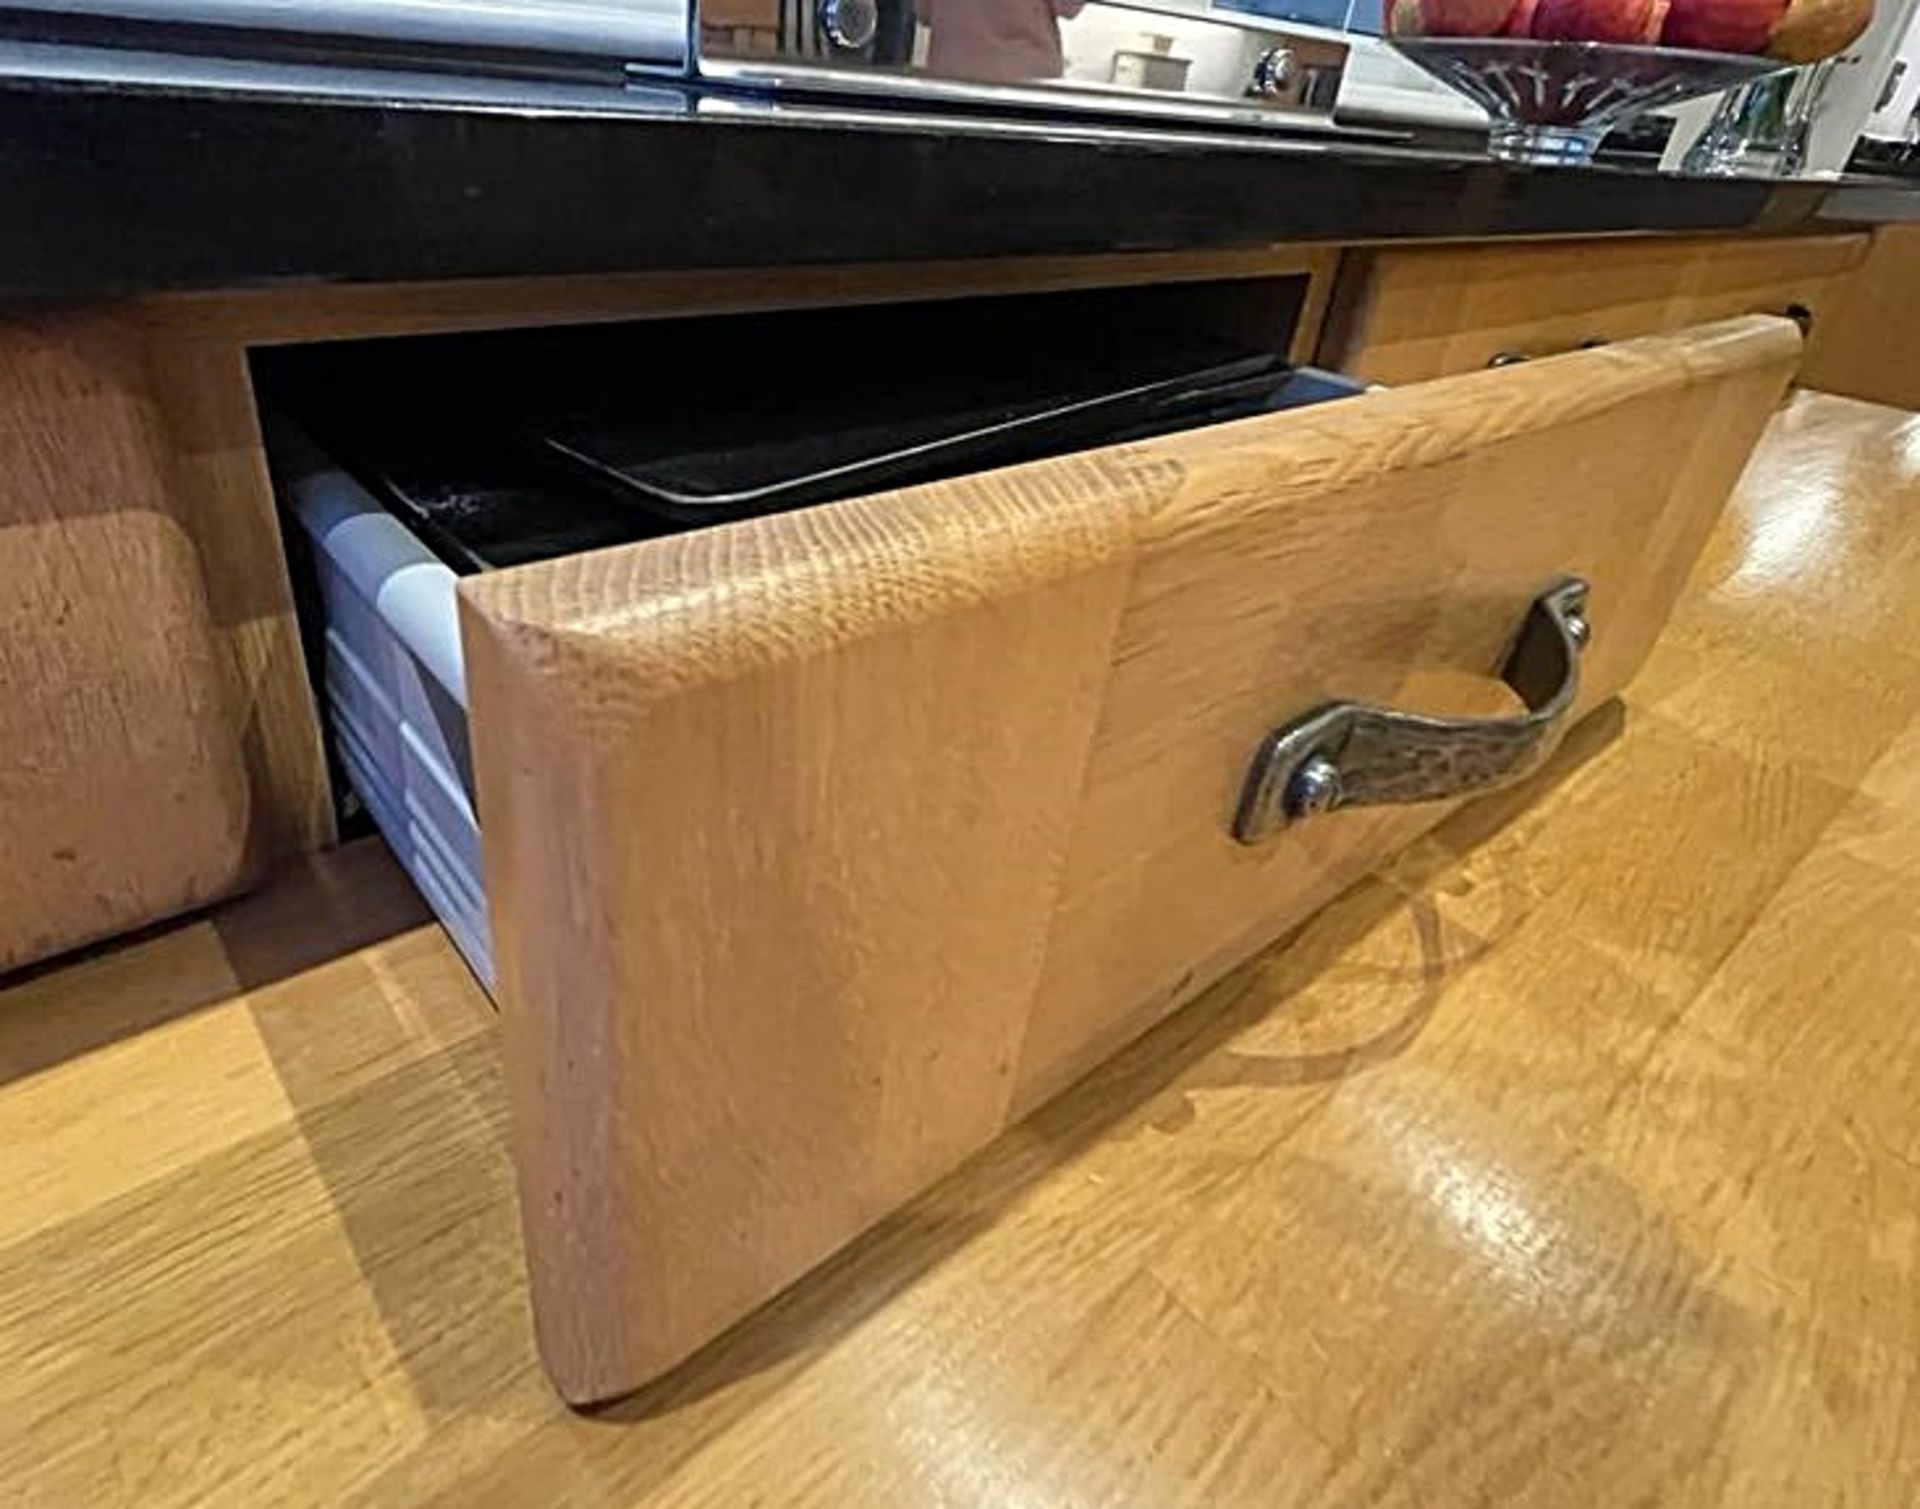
(1165, 59)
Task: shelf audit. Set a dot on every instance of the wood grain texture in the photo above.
(821, 846)
(1568, 1160)
(1406, 315)
(122, 797)
(796, 980)
(1866, 350)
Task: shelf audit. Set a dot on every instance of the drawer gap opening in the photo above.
(507, 447)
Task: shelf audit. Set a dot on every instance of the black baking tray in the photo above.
(837, 444)
(504, 449)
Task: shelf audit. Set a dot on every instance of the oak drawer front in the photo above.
(1410, 315)
(820, 847)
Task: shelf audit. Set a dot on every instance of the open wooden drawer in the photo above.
(821, 847)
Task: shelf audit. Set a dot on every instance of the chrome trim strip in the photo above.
(917, 90)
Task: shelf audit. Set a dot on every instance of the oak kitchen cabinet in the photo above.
(820, 847)
(221, 747)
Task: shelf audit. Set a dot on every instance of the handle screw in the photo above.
(1314, 788)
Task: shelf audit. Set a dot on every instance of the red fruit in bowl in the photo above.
(1520, 23)
(1592, 20)
(1721, 25)
(1447, 18)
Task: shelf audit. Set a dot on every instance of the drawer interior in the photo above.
(412, 461)
(500, 449)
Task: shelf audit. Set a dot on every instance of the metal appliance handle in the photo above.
(1357, 754)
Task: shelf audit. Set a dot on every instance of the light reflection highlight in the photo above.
(1487, 1210)
(1493, 1211)
(1795, 536)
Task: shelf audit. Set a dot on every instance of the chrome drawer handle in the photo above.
(1356, 754)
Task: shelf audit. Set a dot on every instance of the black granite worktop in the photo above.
(114, 185)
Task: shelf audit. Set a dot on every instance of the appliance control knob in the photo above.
(1274, 71)
(850, 24)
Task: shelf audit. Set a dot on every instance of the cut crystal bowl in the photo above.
(1551, 102)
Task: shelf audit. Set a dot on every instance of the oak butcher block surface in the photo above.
(822, 847)
(1569, 1160)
